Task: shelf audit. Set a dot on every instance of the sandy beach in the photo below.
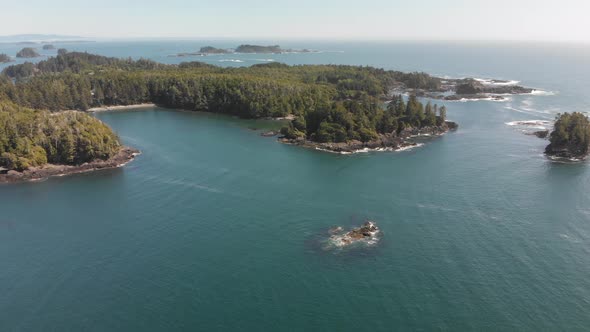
(120, 108)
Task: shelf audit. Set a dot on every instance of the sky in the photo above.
(535, 20)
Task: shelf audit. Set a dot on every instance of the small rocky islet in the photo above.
(472, 89)
(368, 233)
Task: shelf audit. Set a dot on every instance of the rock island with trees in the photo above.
(28, 52)
(570, 138)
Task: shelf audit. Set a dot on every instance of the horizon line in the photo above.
(297, 38)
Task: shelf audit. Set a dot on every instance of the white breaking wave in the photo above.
(530, 111)
(366, 150)
(488, 81)
(410, 147)
(538, 92)
(464, 100)
(266, 60)
(230, 60)
(529, 123)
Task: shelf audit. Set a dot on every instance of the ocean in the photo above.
(215, 228)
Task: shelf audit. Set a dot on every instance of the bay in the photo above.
(214, 227)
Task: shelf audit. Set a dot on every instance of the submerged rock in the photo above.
(368, 233)
(541, 133)
(270, 133)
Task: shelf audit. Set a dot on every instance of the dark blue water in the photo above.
(216, 228)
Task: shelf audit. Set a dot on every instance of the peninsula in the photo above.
(36, 144)
(332, 108)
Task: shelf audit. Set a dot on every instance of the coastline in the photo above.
(122, 158)
(387, 142)
(120, 107)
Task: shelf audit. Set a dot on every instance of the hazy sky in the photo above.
(555, 20)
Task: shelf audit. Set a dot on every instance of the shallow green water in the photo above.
(215, 228)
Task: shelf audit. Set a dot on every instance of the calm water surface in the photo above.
(215, 228)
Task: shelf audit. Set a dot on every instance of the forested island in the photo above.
(4, 58)
(258, 49)
(212, 50)
(570, 138)
(27, 52)
(335, 108)
(48, 47)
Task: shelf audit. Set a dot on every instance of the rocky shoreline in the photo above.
(564, 153)
(470, 89)
(386, 142)
(123, 157)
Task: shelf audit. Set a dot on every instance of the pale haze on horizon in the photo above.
(538, 20)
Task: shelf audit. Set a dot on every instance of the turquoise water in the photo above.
(216, 228)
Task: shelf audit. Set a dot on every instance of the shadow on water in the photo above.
(560, 169)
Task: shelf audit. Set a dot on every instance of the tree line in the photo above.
(570, 136)
(331, 103)
(33, 138)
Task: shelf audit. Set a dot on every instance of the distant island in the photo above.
(212, 50)
(48, 47)
(4, 58)
(28, 52)
(570, 138)
(258, 49)
(246, 49)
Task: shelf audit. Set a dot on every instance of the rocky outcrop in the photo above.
(124, 156)
(458, 97)
(566, 152)
(270, 133)
(474, 87)
(467, 89)
(540, 133)
(368, 233)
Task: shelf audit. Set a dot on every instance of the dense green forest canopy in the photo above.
(570, 136)
(330, 103)
(34, 137)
